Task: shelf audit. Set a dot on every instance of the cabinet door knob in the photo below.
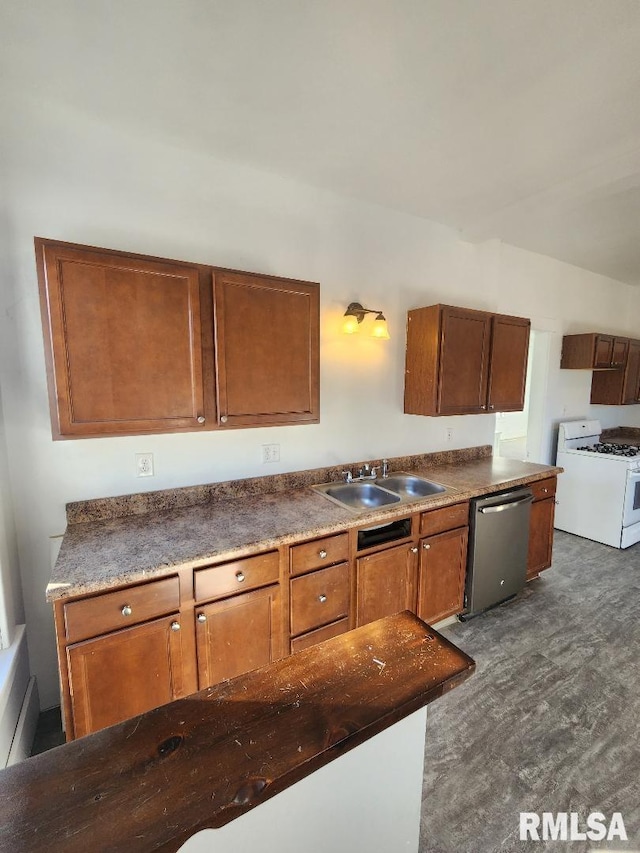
(322, 554)
(126, 610)
(414, 550)
(202, 617)
(483, 407)
(175, 626)
(201, 419)
(426, 546)
(322, 598)
(545, 491)
(239, 577)
(492, 406)
(223, 419)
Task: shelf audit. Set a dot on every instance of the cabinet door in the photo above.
(124, 341)
(632, 374)
(385, 583)
(619, 352)
(540, 536)
(267, 349)
(237, 635)
(119, 675)
(603, 352)
(508, 365)
(441, 576)
(464, 361)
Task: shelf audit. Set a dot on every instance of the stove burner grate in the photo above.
(629, 450)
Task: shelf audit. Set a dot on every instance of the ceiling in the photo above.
(510, 119)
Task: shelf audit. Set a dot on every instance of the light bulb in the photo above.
(379, 328)
(350, 325)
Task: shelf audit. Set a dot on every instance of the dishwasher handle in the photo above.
(510, 505)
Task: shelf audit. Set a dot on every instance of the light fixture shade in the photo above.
(379, 328)
(355, 314)
(350, 325)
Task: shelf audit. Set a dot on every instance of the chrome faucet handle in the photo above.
(347, 476)
(374, 473)
(385, 468)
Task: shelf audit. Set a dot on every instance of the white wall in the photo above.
(11, 608)
(71, 177)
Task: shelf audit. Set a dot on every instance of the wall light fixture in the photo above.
(354, 315)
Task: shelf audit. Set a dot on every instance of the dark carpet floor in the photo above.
(551, 719)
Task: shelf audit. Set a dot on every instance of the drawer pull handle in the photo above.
(126, 610)
(322, 554)
(175, 626)
(239, 577)
(545, 491)
(426, 546)
(414, 550)
(202, 617)
(322, 598)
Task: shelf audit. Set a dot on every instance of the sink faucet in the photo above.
(385, 469)
(367, 472)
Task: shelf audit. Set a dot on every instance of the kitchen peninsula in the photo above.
(161, 594)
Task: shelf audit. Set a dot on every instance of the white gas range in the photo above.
(598, 495)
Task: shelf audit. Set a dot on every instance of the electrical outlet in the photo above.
(449, 433)
(270, 453)
(144, 464)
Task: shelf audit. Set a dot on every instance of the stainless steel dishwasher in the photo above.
(499, 541)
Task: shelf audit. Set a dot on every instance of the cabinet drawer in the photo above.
(543, 488)
(319, 598)
(110, 611)
(447, 518)
(312, 638)
(320, 552)
(238, 576)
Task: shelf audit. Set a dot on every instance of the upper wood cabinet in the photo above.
(594, 351)
(615, 362)
(619, 387)
(131, 348)
(123, 336)
(267, 346)
(462, 361)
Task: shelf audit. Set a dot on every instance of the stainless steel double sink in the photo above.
(398, 488)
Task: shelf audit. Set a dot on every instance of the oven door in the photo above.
(631, 513)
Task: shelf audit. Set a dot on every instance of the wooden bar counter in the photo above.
(154, 781)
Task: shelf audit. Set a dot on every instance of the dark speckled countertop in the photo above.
(216, 524)
(621, 435)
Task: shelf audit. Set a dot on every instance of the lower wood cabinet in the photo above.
(386, 583)
(319, 598)
(441, 575)
(236, 635)
(311, 638)
(125, 651)
(541, 526)
(119, 675)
